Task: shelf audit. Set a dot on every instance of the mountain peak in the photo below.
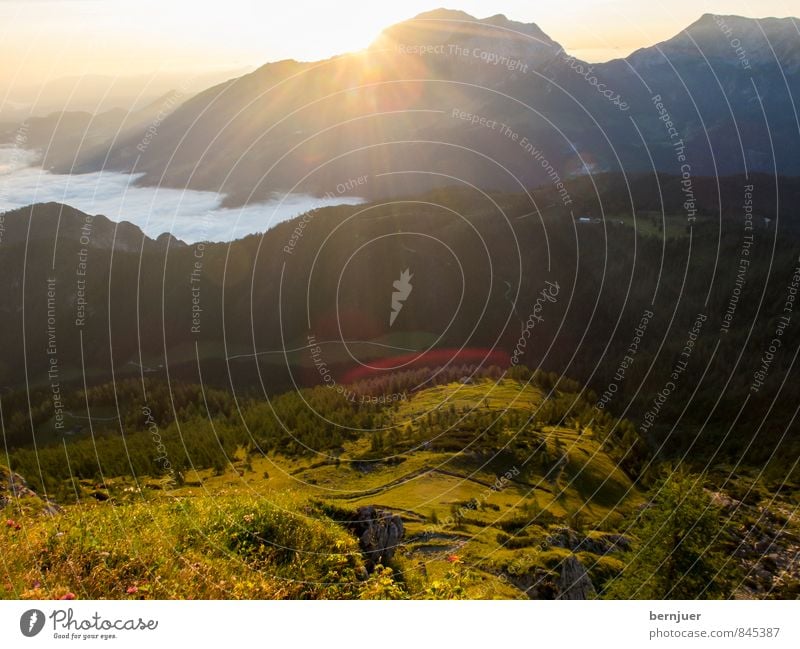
(728, 40)
(445, 14)
(497, 20)
(733, 26)
(717, 19)
(497, 34)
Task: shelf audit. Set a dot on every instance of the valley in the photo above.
(508, 514)
(457, 315)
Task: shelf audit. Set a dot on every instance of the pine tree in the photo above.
(678, 554)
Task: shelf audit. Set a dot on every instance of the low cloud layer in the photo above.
(189, 215)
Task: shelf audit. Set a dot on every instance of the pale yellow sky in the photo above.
(47, 39)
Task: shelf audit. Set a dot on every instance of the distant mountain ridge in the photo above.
(719, 34)
(445, 98)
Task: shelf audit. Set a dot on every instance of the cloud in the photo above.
(187, 214)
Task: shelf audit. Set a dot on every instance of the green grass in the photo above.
(207, 548)
(258, 529)
(651, 224)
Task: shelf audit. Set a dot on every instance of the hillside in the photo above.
(447, 95)
(224, 315)
(488, 506)
(339, 302)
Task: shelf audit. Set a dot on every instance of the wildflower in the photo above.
(131, 590)
(453, 558)
(248, 518)
(68, 596)
(10, 523)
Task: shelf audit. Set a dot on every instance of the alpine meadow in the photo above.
(449, 313)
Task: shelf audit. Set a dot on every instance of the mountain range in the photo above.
(485, 132)
(549, 352)
(313, 297)
(492, 102)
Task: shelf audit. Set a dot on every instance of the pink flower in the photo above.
(68, 596)
(131, 590)
(453, 558)
(10, 523)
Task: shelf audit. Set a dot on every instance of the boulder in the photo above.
(564, 537)
(574, 582)
(600, 544)
(537, 583)
(379, 533)
(13, 487)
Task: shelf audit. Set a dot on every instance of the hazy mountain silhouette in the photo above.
(727, 84)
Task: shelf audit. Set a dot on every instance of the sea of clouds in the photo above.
(187, 214)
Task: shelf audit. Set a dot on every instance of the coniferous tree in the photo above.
(679, 551)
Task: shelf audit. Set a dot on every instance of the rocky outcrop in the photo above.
(767, 547)
(379, 533)
(14, 488)
(574, 582)
(600, 544)
(538, 583)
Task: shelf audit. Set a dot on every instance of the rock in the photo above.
(564, 537)
(536, 584)
(574, 582)
(13, 487)
(379, 533)
(618, 543)
(770, 562)
(764, 576)
(600, 544)
(364, 467)
(723, 500)
(763, 546)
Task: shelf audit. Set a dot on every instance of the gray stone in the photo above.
(536, 583)
(573, 541)
(14, 487)
(574, 582)
(379, 534)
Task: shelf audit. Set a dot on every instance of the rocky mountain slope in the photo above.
(493, 102)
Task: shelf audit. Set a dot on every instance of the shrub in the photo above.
(203, 548)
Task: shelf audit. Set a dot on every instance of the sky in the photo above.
(47, 39)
